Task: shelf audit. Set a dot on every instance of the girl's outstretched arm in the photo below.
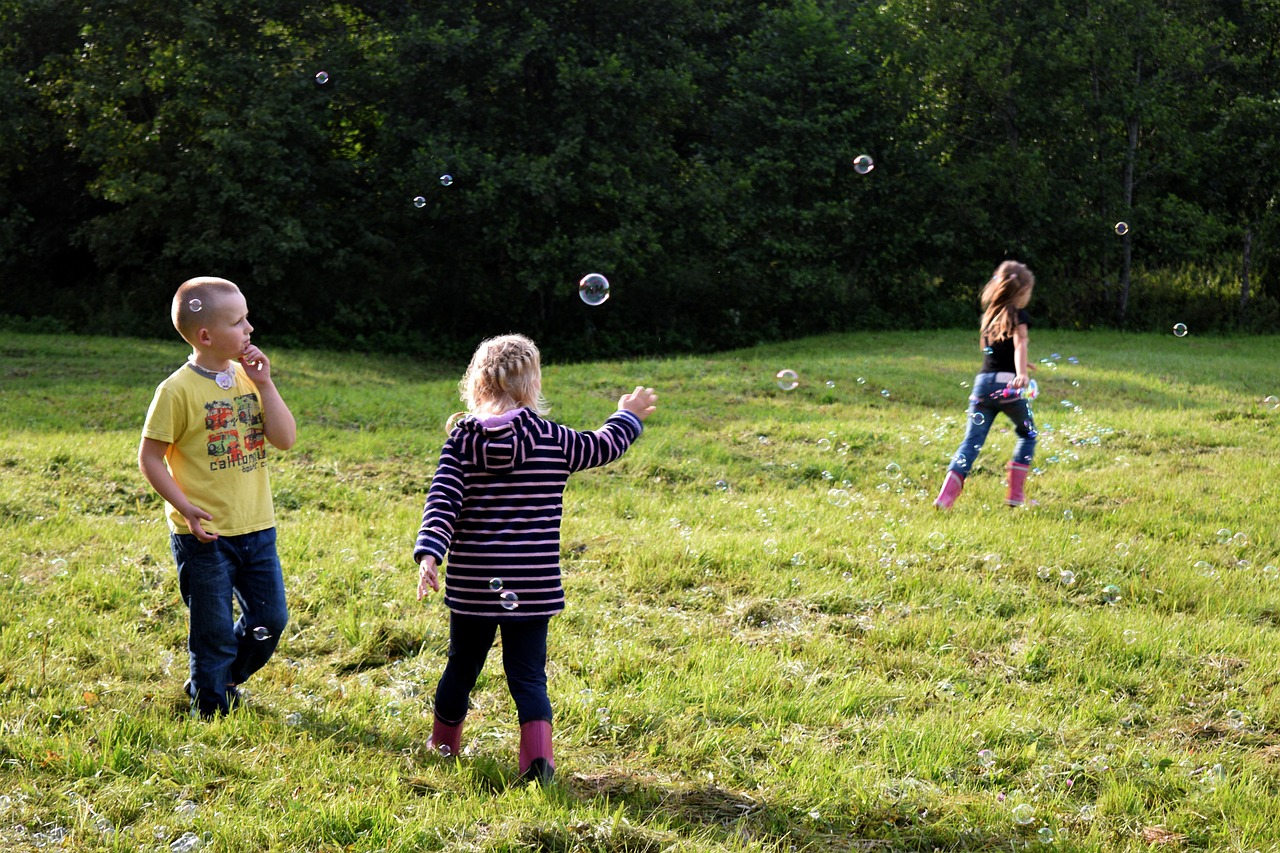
(1020, 356)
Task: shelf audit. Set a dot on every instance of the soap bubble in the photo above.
(322, 77)
(188, 843)
(509, 600)
(446, 180)
(937, 541)
(862, 164)
(824, 444)
(884, 392)
(1235, 718)
(797, 559)
(1023, 813)
(838, 497)
(1122, 228)
(831, 383)
(1271, 400)
(862, 380)
(1180, 330)
(722, 485)
(195, 304)
(1111, 594)
(1044, 573)
(788, 380)
(771, 546)
(1045, 835)
(593, 289)
(496, 585)
(261, 633)
(1129, 636)
(986, 757)
(1122, 548)
(419, 202)
(978, 418)
(1224, 536)
(893, 470)
(1067, 577)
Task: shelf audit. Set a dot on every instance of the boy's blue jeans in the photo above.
(524, 659)
(983, 408)
(225, 650)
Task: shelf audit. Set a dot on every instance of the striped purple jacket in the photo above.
(495, 506)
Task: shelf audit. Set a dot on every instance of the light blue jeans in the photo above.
(985, 403)
(211, 575)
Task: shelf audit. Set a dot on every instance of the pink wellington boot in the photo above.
(536, 761)
(1017, 481)
(951, 488)
(446, 739)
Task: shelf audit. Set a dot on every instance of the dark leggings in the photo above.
(524, 659)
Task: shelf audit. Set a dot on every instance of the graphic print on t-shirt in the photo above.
(236, 438)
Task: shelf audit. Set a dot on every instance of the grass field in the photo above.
(749, 661)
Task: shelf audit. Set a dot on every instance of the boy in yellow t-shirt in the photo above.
(204, 451)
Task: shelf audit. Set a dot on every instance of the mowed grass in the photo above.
(748, 662)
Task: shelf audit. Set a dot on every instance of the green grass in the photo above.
(743, 668)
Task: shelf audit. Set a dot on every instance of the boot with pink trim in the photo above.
(951, 488)
(536, 761)
(1017, 482)
(446, 738)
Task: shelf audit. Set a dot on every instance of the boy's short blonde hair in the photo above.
(196, 300)
(505, 373)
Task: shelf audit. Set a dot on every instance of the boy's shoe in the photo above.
(208, 709)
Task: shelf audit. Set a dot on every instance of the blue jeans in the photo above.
(524, 659)
(225, 650)
(983, 408)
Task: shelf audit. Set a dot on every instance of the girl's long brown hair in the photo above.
(1000, 301)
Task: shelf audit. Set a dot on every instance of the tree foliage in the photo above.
(699, 154)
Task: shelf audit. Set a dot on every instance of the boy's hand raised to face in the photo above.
(640, 402)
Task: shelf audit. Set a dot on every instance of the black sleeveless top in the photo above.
(998, 356)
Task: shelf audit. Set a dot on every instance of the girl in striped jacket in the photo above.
(494, 508)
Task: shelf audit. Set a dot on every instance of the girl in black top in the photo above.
(999, 386)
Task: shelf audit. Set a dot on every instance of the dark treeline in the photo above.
(697, 152)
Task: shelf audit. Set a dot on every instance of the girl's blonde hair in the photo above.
(505, 373)
(1001, 301)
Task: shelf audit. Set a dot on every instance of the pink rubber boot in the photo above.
(1017, 482)
(536, 761)
(951, 488)
(445, 739)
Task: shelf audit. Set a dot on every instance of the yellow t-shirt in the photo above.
(217, 449)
